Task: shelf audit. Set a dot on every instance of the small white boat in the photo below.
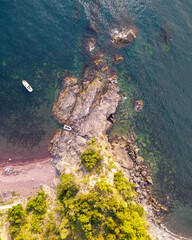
(27, 86)
(66, 127)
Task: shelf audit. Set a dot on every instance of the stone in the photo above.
(149, 180)
(136, 179)
(145, 194)
(138, 190)
(123, 36)
(144, 174)
(65, 103)
(139, 160)
(137, 174)
(138, 105)
(91, 44)
(142, 184)
(136, 185)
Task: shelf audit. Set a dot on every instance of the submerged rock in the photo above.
(165, 34)
(138, 105)
(91, 44)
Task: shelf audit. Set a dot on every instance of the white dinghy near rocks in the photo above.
(27, 86)
(66, 127)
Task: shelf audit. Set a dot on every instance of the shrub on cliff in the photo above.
(102, 214)
(37, 204)
(16, 218)
(90, 158)
(67, 188)
(124, 187)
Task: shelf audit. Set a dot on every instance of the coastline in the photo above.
(23, 160)
(90, 118)
(25, 180)
(32, 176)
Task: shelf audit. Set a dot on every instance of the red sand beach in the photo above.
(26, 179)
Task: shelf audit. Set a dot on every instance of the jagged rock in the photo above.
(149, 180)
(123, 36)
(144, 174)
(138, 105)
(66, 101)
(86, 111)
(85, 100)
(139, 160)
(122, 157)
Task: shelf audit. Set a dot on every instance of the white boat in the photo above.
(27, 86)
(66, 127)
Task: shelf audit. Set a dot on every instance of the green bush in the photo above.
(67, 188)
(16, 218)
(38, 204)
(102, 214)
(106, 212)
(90, 158)
(124, 187)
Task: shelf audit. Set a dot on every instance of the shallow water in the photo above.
(41, 40)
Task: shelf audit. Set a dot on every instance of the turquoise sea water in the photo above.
(41, 40)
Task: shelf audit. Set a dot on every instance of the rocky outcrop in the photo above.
(86, 110)
(66, 101)
(138, 105)
(123, 36)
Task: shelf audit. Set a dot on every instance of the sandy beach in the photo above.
(26, 180)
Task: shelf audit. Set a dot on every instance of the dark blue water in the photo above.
(41, 40)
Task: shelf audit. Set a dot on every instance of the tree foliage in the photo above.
(90, 158)
(16, 218)
(67, 188)
(106, 212)
(38, 204)
(103, 214)
(124, 187)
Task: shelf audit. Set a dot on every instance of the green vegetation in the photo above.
(27, 223)
(166, 48)
(4, 63)
(81, 212)
(148, 50)
(16, 218)
(90, 158)
(67, 188)
(38, 204)
(103, 213)
(124, 187)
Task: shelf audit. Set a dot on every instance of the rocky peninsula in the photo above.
(87, 106)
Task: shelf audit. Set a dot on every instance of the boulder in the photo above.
(149, 180)
(139, 160)
(123, 36)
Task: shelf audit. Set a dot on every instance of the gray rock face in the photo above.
(66, 101)
(86, 112)
(122, 157)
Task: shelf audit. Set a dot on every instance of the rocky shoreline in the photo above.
(89, 108)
